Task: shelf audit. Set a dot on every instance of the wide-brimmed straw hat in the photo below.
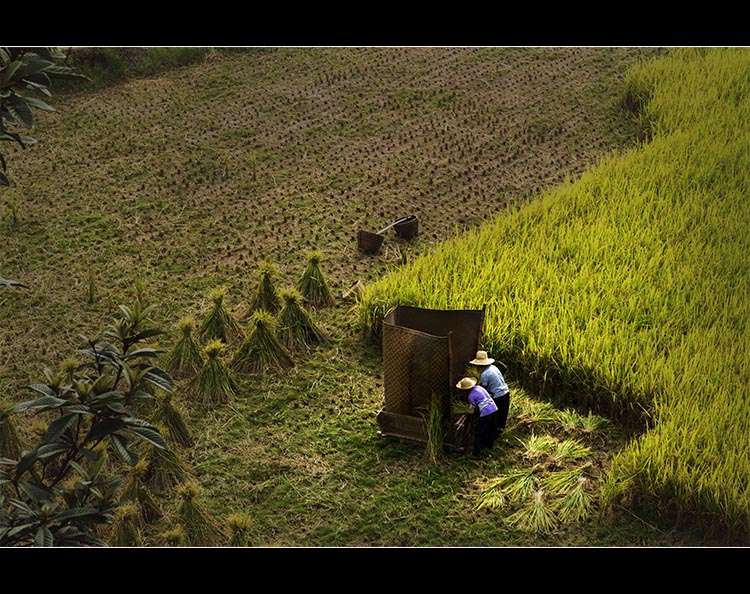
(466, 383)
(482, 359)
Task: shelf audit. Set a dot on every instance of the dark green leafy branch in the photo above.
(24, 69)
(89, 407)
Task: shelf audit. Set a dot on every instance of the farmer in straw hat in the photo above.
(485, 429)
(492, 380)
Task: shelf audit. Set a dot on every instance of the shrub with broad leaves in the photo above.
(59, 492)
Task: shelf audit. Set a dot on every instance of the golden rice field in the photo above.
(624, 291)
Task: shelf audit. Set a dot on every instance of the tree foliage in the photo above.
(58, 492)
(25, 69)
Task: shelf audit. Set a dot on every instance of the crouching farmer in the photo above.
(485, 410)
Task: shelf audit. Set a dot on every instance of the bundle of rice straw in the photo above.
(261, 350)
(296, 326)
(313, 285)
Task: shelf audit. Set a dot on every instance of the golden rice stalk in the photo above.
(169, 415)
(474, 372)
(125, 530)
(261, 350)
(10, 443)
(239, 528)
(493, 497)
(266, 296)
(538, 446)
(592, 422)
(214, 383)
(570, 449)
(536, 517)
(313, 285)
(522, 483)
(569, 420)
(68, 369)
(219, 324)
(461, 408)
(297, 329)
(186, 357)
(200, 527)
(433, 428)
(511, 487)
(175, 537)
(533, 412)
(562, 481)
(577, 504)
(137, 493)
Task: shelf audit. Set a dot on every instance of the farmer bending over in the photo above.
(480, 400)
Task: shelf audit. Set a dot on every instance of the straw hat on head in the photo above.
(466, 383)
(482, 359)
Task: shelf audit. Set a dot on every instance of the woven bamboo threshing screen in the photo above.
(426, 351)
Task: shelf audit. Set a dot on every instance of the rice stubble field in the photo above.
(173, 185)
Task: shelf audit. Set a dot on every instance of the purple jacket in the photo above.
(480, 398)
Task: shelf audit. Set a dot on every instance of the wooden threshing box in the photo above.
(426, 352)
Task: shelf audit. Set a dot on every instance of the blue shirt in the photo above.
(492, 381)
(479, 398)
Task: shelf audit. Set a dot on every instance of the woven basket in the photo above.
(408, 228)
(368, 242)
